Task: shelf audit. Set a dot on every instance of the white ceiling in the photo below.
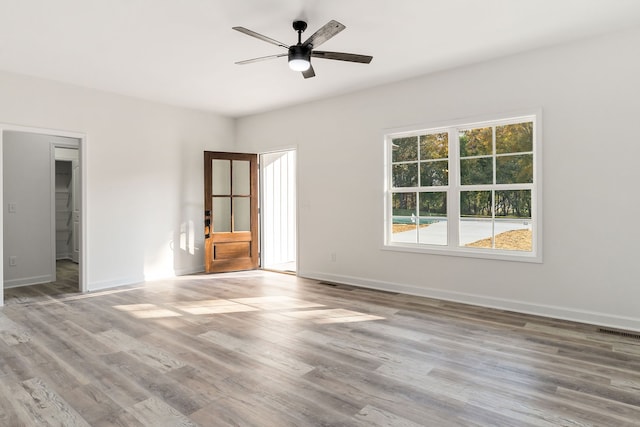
(182, 52)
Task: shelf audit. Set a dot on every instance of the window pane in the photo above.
(476, 171)
(513, 204)
(514, 169)
(475, 204)
(433, 204)
(434, 146)
(241, 214)
(404, 218)
(432, 226)
(434, 173)
(513, 220)
(405, 149)
(221, 214)
(476, 224)
(433, 231)
(241, 177)
(404, 204)
(476, 142)
(405, 175)
(514, 138)
(221, 177)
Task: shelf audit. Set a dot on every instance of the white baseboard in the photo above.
(26, 281)
(191, 270)
(123, 281)
(556, 312)
(108, 284)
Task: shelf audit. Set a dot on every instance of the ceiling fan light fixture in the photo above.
(299, 64)
(299, 58)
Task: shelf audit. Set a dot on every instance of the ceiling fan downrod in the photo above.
(299, 26)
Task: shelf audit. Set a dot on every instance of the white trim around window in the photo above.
(469, 187)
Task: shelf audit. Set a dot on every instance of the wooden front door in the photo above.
(230, 211)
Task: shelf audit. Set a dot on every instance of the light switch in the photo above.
(12, 208)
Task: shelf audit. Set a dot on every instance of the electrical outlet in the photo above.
(12, 208)
(13, 261)
(333, 257)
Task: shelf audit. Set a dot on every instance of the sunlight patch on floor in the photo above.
(146, 311)
(336, 315)
(275, 302)
(212, 307)
(237, 305)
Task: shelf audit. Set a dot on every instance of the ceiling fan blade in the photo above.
(329, 30)
(260, 36)
(262, 58)
(309, 73)
(341, 56)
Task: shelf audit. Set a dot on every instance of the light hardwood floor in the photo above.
(267, 349)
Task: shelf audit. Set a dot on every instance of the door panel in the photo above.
(231, 211)
(232, 250)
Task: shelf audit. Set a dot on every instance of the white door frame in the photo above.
(83, 270)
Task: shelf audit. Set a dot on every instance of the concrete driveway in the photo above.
(471, 230)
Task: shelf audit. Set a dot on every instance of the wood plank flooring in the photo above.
(268, 349)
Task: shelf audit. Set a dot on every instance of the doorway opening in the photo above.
(42, 239)
(66, 214)
(66, 202)
(278, 211)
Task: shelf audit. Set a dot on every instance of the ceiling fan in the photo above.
(300, 54)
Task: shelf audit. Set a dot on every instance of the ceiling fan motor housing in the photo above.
(300, 52)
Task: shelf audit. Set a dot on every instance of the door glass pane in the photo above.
(241, 214)
(241, 178)
(220, 180)
(221, 214)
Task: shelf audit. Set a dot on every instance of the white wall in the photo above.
(144, 170)
(589, 95)
(26, 162)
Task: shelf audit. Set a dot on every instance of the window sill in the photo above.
(530, 257)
